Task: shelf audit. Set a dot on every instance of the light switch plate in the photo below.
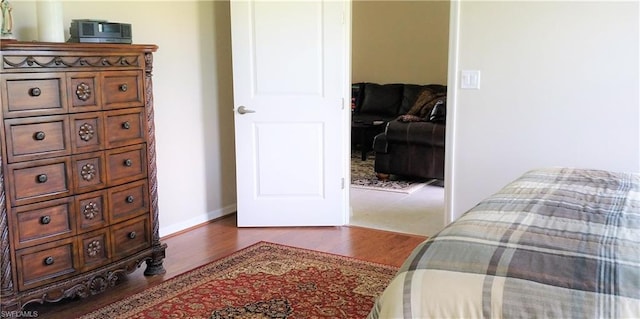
(470, 79)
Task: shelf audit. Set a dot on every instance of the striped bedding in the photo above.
(555, 243)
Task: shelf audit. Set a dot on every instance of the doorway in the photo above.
(400, 42)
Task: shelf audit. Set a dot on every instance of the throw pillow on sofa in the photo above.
(439, 111)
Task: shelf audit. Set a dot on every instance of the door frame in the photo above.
(452, 92)
(346, 118)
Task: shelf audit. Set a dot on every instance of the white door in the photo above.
(291, 86)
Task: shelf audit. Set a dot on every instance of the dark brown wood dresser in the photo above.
(78, 186)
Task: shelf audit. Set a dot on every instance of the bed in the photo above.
(555, 243)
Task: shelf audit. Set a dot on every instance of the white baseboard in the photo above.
(174, 228)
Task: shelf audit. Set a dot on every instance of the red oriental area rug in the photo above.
(264, 280)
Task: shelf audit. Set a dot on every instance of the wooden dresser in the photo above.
(78, 187)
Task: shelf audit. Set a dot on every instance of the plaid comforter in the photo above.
(555, 243)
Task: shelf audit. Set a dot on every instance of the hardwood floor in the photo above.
(209, 242)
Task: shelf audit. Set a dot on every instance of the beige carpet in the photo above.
(418, 213)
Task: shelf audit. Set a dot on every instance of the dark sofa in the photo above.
(381, 104)
(386, 101)
(412, 143)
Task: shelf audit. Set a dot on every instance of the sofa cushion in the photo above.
(383, 100)
(416, 133)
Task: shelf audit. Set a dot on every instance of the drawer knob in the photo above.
(39, 136)
(128, 162)
(35, 92)
(45, 219)
(126, 125)
(42, 178)
(132, 235)
(129, 199)
(48, 261)
(124, 87)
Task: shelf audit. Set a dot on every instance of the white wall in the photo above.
(192, 94)
(559, 87)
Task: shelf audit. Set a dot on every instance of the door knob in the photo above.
(244, 110)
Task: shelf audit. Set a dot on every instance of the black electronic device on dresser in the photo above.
(99, 31)
(78, 185)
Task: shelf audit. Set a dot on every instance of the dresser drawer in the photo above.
(92, 210)
(84, 91)
(126, 164)
(122, 89)
(130, 236)
(37, 137)
(124, 127)
(42, 222)
(40, 180)
(33, 94)
(88, 172)
(94, 249)
(46, 263)
(86, 132)
(128, 200)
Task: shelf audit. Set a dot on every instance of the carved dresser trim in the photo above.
(62, 103)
